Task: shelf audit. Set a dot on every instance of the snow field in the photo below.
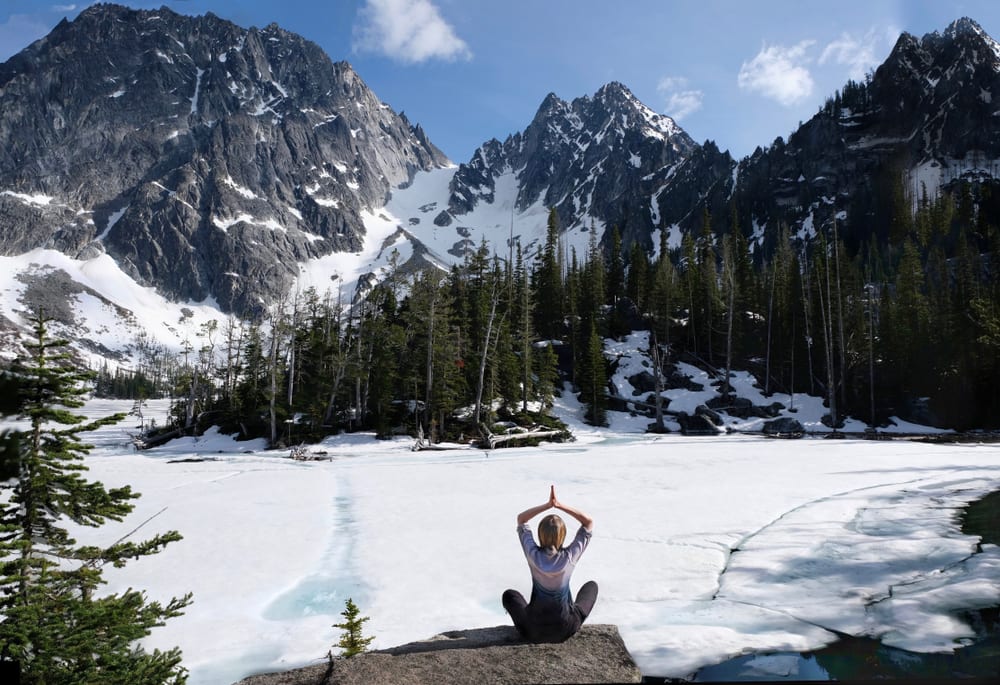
(425, 542)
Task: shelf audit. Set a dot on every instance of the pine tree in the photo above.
(351, 640)
(637, 281)
(711, 304)
(593, 378)
(548, 284)
(54, 627)
(616, 267)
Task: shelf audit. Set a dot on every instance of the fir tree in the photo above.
(54, 627)
(351, 640)
(548, 284)
(593, 379)
(616, 267)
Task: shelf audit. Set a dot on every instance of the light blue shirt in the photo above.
(551, 568)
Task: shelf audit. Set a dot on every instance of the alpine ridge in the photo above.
(592, 159)
(208, 160)
(213, 162)
(925, 120)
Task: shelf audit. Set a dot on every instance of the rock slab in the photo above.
(495, 655)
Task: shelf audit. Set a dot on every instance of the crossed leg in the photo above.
(515, 605)
(585, 599)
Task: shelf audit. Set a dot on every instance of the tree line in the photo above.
(906, 323)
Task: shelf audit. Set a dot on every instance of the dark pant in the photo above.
(548, 621)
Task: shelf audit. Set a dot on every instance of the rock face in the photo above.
(487, 655)
(211, 160)
(207, 159)
(593, 159)
(925, 119)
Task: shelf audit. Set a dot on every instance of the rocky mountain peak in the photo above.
(965, 26)
(582, 157)
(926, 118)
(208, 158)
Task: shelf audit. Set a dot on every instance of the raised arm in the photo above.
(531, 513)
(584, 520)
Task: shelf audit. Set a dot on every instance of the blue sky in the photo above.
(738, 72)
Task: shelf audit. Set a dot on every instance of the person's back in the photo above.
(552, 615)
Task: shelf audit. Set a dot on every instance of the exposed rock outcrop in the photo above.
(207, 159)
(594, 158)
(496, 655)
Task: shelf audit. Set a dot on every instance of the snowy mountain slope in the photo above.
(207, 159)
(593, 159)
(225, 167)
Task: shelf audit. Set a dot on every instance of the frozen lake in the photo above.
(704, 548)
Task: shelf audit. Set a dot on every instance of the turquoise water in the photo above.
(325, 592)
(868, 659)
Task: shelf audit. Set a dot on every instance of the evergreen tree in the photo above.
(691, 291)
(638, 275)
(352, 641)
(616, 267)
(10, 444)
(593, 379)
(709, 303)
(663, 298)
(592, 289)
(548, 284)
(545, 366)
(54, 627)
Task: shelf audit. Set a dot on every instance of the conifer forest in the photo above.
(905, 322)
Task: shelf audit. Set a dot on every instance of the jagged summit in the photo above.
(965, 26)
(617, 96)
(590, 158)
(208, 159)
(927, 117)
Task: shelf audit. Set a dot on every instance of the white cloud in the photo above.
(63, 8)
(858, 54)
(408, 30)
(779, 73)
(680, 100)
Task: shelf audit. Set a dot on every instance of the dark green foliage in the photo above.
(352, 641)
(125, 384)
(9, 440)
(548, 284)
(54, 626)
(592, 378)
(869, 324)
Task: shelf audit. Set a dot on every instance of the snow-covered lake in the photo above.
(860, 537)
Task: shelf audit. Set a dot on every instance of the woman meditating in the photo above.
(551, 615)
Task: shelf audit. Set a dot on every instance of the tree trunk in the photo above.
(430, 362)
(770, 318)
(840, 320)
(273, 370)
(730, 277)
(806, 313)
(826, 313)
(658, 376)
(482, 359)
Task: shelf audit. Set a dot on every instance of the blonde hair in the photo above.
(551, 531)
